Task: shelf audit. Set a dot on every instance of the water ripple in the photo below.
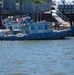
(43, 57)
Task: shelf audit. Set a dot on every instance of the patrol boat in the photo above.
(37, 31)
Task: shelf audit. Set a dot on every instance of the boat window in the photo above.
(15, 27)
(33, 27)
(69, 10)
(10, 27)
(62, 6)
(46, 27)
(66, 6)
(24, 28)
(40, 27)
(20, 27)
(69, 6)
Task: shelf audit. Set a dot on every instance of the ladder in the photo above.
(59, 17)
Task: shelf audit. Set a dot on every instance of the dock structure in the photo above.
(9, 8)
(23, 6)
(9, 4)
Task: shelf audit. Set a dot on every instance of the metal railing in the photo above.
(62, 16)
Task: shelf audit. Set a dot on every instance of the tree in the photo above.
(35, 1)
(39, 1)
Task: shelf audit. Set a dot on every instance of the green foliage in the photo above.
(35, 1)
(39, 1)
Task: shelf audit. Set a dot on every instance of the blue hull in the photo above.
(41, 36)
(72, 27)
